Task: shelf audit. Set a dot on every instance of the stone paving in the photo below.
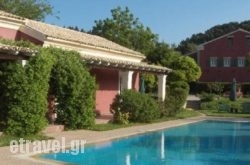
(8, 158)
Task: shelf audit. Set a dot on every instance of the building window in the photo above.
(226, 61)
(230, 41)
(241, 61)
(213, 61)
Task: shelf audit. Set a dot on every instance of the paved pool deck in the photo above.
(8, 158)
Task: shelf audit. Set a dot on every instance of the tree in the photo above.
(76, 28)
(186, 69)
(160, 54)
(32, 9)
(125, 30)
(188, 66)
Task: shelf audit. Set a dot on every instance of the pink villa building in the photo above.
(115, 67)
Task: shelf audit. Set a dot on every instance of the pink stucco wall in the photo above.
(107, 81)
(8, 33)
(136, 79)
(17, 35)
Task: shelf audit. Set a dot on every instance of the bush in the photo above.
(176, 97)
(74, 89)
(26, 89)
(209, 106)
(139, 107)
(24, 92)
(206, 97)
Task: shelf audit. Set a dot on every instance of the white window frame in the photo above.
(241, 61)
(226, 61)
(213, 61)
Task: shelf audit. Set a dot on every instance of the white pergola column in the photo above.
(162, 86)
(24, 62)
(126, 78)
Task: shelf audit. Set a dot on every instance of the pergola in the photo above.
(8, 52)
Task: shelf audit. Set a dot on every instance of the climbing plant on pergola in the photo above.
(24, 92)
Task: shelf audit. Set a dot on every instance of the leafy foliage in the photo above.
(24, 92)
(162, 54)
(26, 88)
(185, 68)
(74, 89)
(188, 67)
(32, 9)
(140, 107)
(125, 30)
(215, 87)
(175, 99)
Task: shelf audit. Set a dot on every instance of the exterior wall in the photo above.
(13, 34)
(107, 88)
(23, 36)
(136, 81)
(8, 33)
(221, 48)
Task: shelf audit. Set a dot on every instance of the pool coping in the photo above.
(93, 137)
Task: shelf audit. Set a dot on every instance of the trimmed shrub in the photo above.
(205, 97)
(74, 89)
(26, 90)
(177, 93)
(209, 106)
(139, 107)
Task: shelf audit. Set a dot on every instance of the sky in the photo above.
(172, 20)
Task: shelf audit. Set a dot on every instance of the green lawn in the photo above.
(225, 114)
(111, 126)
(222, 107)
(5, 139)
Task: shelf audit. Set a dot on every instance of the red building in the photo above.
(224, 58)
(115, 67)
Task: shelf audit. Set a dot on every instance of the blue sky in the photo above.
(172, 20)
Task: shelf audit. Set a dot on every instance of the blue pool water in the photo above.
(202, 143)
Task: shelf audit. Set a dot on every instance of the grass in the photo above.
(5, 139)
(111, 126)
(238, 104)
(224, 114)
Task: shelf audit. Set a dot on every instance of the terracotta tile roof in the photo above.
(111, 63)
(75, 36)
(70, 35)
(16, 50)
(9, 15)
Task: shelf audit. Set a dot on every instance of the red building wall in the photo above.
(8, 33)
(107, 81)
(17, 35)
(136, 80)
(221, 48)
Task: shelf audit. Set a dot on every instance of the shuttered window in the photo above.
(241, 61)
(213, 61)
(226, 61)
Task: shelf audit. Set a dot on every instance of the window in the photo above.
(241, 61)
(213, 61)
(226, 61)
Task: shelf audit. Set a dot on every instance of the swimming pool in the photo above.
(202, 143)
